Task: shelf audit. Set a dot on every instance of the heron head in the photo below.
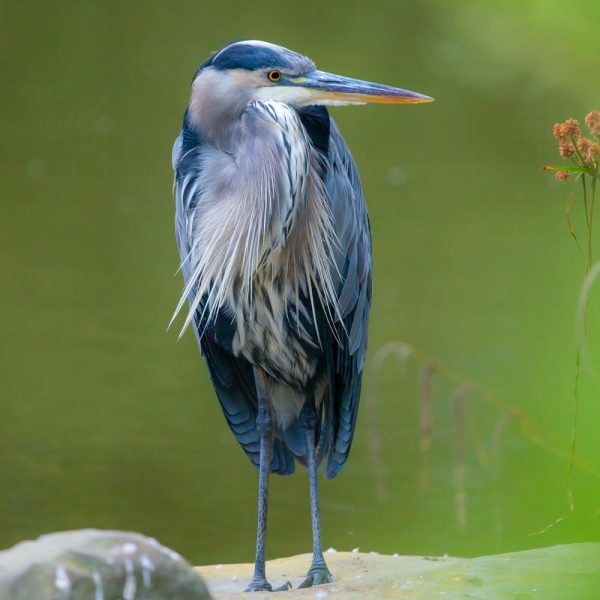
(251, 70)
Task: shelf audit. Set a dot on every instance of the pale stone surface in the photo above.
(97, 565)
(559, 572)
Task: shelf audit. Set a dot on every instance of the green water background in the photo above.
(107, 421)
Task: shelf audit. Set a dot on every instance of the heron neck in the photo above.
(216, 107)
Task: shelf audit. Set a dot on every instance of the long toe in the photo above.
(317, 576)
(284, 588)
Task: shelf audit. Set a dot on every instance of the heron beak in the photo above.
(327, 88)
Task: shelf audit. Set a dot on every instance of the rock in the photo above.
(97, 565)
(555, 573)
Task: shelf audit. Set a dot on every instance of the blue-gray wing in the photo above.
(346, 357)
(231, 376)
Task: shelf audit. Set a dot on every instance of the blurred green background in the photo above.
(107, 421)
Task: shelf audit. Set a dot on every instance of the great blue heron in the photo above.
(275, 252)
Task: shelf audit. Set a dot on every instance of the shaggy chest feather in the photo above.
(261, 239)
(273, 329)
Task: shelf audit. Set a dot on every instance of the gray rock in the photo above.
(97, 565)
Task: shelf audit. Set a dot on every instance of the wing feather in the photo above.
(353, 262)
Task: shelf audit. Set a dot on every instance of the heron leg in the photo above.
(264, 425)
(318, 572)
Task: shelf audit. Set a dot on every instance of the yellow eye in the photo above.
(274, 75)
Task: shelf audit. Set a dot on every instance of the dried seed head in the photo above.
(557, 132)
(592, 120)
(561, 175)
(571, 128)
(566, 149)
(589, 150)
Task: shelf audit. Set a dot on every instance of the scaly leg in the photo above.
(264, 425)
(318, 572)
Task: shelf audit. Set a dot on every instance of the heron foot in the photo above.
(260, 584)
(318, 574)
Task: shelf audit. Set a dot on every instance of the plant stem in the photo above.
(593, 194)
(590, 223)
(569, 473)
(585, 204)
(581, 335)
